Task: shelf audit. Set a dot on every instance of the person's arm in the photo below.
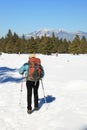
(42, 72)
(23, 68)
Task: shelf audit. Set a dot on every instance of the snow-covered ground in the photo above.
(65, 85)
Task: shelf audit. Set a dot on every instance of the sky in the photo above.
(26, 16)
(65, 88)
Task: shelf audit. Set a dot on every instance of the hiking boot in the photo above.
(29, 111)
(36, 109)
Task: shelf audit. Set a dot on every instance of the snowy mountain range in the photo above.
(58, 33)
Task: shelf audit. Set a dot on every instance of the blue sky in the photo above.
(26, 16)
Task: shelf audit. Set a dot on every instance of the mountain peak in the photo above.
(60, 33)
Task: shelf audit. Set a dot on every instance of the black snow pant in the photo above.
(32, 86)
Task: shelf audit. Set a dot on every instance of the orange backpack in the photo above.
(34, 71)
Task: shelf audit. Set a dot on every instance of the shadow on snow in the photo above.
(47, 99)
(85, 128)
(6, 75)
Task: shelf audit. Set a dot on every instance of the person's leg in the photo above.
(36, 95)
(29, 94)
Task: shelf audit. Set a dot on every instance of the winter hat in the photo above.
(32, 55)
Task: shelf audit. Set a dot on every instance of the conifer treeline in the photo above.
(12, 43)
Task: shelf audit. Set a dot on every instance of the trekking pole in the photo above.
(22, 83)
(43, 91)
(21, 90)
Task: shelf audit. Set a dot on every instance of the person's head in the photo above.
(31, 55)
